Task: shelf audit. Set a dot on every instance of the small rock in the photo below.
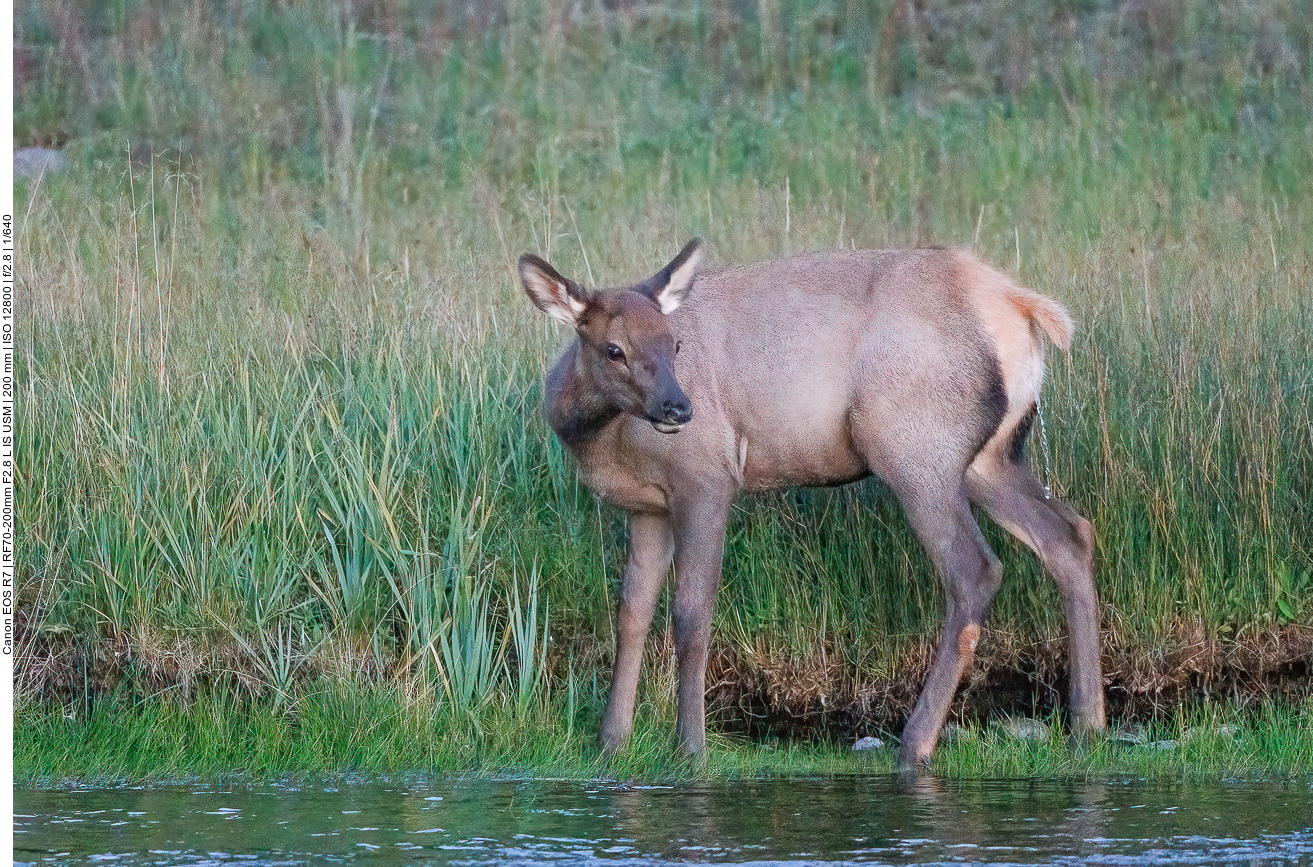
(1224, 732)
(34, 162)
(1023, 728)
(1131, 736)
(868, 743)
(951, 733)
(1164, 745)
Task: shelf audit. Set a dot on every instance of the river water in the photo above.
(870, 819)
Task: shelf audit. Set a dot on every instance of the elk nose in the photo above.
(676, 412)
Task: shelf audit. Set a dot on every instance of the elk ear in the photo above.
(670, 286)
(557, 296)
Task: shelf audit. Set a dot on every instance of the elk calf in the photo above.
(922, 367)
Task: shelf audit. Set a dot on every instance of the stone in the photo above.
(34, 162)
(951, 733)
(1131, 736)
(1023, 728)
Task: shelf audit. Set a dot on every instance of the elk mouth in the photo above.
(671, 416)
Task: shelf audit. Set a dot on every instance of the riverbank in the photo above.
(277, 388)
(372, 733)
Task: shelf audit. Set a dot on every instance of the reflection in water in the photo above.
(864, 819)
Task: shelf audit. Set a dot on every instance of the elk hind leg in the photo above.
(971, 576)
(1064, 542)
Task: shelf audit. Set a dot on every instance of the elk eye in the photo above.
(678, 343)
(615, 353)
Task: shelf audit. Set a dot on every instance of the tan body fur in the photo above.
(920, 366)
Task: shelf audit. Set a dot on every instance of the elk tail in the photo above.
(1045, 312)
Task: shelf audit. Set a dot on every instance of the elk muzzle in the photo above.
(672, 415)
(669, 409)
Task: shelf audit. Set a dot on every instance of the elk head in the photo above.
(625, 357)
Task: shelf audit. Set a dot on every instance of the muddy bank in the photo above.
(818, 696)
(758, 693)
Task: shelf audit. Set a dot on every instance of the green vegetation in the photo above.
(380, 731)
(280, 456)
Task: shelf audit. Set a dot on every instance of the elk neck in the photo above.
(577, 409)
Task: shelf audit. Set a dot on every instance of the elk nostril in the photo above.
(677, 412)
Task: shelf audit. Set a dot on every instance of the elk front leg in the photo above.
(699, 550)
(651, 548)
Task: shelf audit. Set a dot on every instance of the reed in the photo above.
(279, 414)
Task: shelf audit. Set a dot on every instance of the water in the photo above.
(851, 819)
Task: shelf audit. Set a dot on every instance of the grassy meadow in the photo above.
(281, 459)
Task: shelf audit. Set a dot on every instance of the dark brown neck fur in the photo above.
(576, 412)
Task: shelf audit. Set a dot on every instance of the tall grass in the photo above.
(278, 389)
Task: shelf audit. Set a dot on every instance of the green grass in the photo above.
(381, 732)
(278, 389)
(1201, 742)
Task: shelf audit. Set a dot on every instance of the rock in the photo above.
(868, 743)
(951, 733)
(1223, 732)
(1130, 736)
(1023, 728)
(1164, 745)
(34, 162)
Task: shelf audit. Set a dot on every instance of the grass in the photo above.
(381, 732)
(278, 391)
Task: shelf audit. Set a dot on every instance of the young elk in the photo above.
(922, 367)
